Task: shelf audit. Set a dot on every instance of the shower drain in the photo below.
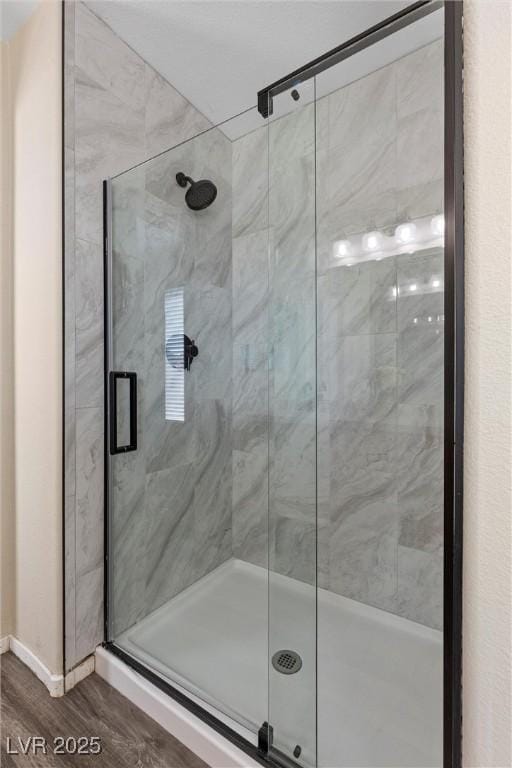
(287, 662)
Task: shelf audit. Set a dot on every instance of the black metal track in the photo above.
(106, 371)
(379, 31)
(63, 324)
(453, 382)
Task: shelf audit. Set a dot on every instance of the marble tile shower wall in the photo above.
(274, 347)
(273, 398)
(380, 344)
(380, 359)
(118, 112)
(172, 513)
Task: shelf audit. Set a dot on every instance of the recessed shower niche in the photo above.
(276, 536)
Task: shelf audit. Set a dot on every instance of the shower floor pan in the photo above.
(379, 675)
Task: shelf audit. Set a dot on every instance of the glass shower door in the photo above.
(213, 424)
(276, 414)
(184, 597)
(380, 295)
(293, 525)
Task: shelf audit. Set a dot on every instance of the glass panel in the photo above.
(281, 516)
(189, 507)
(380, 238)
(292, 426)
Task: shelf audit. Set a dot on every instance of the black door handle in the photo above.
(114, 377)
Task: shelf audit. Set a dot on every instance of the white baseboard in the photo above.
(205, 742)
(57, 685)
(81, 671)
(54, 683)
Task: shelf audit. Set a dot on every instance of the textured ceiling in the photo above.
(219, 53)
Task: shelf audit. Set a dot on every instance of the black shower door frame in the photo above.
(453, 372)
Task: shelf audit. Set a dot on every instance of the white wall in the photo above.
(33, 58)
(7, 520)
(488, 507)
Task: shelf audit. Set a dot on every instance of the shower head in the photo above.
(200, 194)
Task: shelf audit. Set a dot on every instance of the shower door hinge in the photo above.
(265, 737)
